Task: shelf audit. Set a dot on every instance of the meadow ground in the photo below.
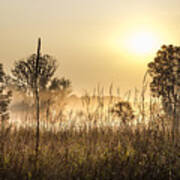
(94, 146)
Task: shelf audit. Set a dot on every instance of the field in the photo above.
(92, 144)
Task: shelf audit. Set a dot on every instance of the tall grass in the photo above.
(93, 144)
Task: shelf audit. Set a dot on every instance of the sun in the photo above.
(142, 43)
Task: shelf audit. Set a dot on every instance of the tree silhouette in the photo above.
(5, 96)
(165, 73)
(24, 76)
(124, 111)
(60, 84)
(24, 72)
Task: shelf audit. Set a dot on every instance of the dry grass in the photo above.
(95, 149)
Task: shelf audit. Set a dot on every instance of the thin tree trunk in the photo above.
(174, 125)
(177, 118)
(37, 100)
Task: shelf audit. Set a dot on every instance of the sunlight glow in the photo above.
(142, 43)
(137, 42)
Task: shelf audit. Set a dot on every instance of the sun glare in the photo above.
(142, 43)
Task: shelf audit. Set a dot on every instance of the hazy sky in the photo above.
(88, 37)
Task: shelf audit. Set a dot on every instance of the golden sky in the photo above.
(91, 39)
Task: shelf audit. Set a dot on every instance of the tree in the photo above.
(5, 96)
(124, 111)
(165, 84)
(35, 76)
(24, 73)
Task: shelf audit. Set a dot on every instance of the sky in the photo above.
(91, 39)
